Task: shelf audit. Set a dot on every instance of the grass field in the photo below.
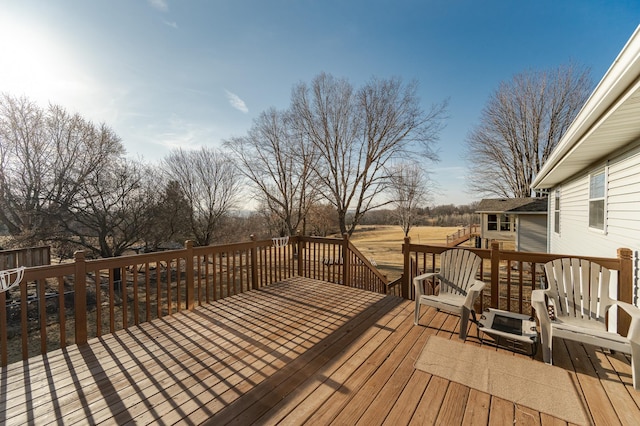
(384, 244)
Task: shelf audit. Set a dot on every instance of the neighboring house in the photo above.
(593, 175)
(522, 220)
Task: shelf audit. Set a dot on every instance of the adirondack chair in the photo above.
(458, 286)
(574, 307)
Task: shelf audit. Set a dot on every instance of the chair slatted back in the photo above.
(458, 268)
(580, 287)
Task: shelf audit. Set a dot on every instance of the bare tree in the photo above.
(110, 213)
(522, 122)
(357, 132)
(279, 163)
(408, 190)
(322, 220)
(45, 155)
(169, 216)
(209, 181)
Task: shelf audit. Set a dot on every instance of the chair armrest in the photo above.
(634, 328)
(417, 280)
(633, 311)
(539, 303)
(473, 293)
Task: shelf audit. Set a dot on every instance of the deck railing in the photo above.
(69, 303)
(57, 305)
(463, 235)
(511, 275)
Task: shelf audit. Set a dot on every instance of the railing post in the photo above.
(625, 287)
(346, 279)
(80, 297)
(406, 268)
(254, 262)
(300, 248)
(191, 286)
(495, 274)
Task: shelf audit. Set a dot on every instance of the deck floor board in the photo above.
(295, 352)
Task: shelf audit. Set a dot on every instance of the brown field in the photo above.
(384, 244)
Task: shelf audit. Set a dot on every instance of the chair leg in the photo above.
(464, 322)
(545, 342)
(417, 313)
(635, 365)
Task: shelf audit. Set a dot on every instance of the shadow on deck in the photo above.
(299, 351)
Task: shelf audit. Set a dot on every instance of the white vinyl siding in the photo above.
(622, 211)
(532, 234)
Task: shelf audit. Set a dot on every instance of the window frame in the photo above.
(505, 219)
(495, 222)
(599, 199)
(556, 211)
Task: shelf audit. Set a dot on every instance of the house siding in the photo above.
(532, 233)
(622, 212)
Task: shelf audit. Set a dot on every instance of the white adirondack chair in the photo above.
(578, 290)
(458, 286)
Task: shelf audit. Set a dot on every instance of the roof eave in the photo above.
(617, 80)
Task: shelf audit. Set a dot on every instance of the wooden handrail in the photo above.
(102, 296)
(513, 275)
(456, 238)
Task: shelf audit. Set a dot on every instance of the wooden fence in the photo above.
(28, 257)
(69, 303)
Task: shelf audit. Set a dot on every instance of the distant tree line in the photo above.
(441, 215)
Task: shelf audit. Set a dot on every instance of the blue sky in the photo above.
(169, 73)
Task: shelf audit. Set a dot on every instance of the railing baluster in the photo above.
(112, 301)
(61, 313)
(124, 291)
(42, 314)
(3, 329)
(136, 307)
(96, 279)
(520, 285)
(509, 285)
(23, 326)
(158, 290)
(147, 285)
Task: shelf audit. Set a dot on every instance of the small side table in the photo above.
(517, 329)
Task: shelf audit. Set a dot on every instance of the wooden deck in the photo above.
(300, 351)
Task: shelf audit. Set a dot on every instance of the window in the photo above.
(492, 222)
(500, 222)
(505, 222)
(556, 213)
(597, 189)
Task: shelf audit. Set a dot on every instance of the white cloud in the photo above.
(171, 24)
(236, 102)
(161, 5)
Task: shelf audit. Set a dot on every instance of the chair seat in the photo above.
(568, 323)
(446, 301)
(587, 331)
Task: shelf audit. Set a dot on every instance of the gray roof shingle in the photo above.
(513, 205)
